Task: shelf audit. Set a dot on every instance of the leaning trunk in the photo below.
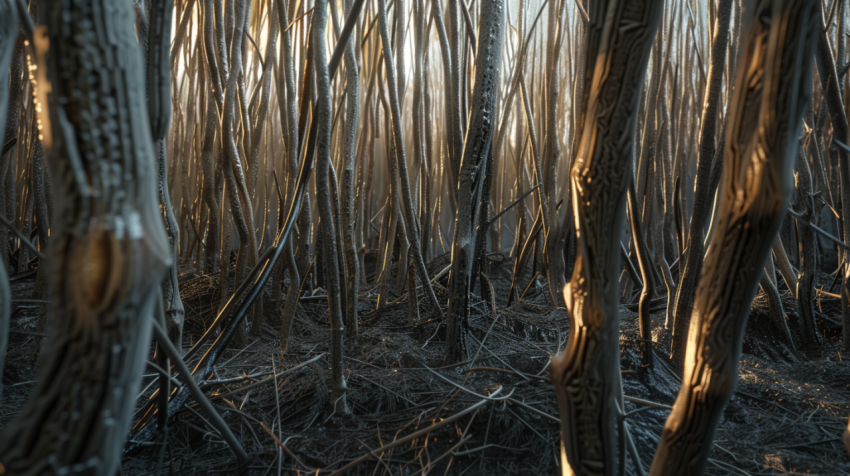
(766, 108)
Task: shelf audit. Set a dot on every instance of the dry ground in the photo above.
(786, 416)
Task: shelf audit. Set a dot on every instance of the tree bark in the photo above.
(586, 375)
(398, 140)
(329, 242)
(693, 261)
(770, 95)
(807, 250)
(108, 248)
(349, 174)
(8, 35)
(472, 168)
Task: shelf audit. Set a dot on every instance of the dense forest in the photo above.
(404, 237)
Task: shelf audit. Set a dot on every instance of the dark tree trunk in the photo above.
(693, 261)
(472, 170)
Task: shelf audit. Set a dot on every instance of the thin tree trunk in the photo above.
(702, 195)
(475, 153)
(398, 140)
(8, 34)
(807, 250)
(349, 174)
(329, 242)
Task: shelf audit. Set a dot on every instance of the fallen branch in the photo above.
(417, 434)
(217, 421)
(268, 379)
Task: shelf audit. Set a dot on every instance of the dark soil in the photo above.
(787, 415)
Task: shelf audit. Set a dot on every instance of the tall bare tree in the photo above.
(586, 375)
(693, 259)
(476, 153)
(771, 93)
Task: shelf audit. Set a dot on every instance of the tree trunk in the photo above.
(398, 141)
(770, 95)
(108, 246)
(349, 174)
(470, 176)
(586, 375)
(807, 250)
(693, 261)
(323, 157)
(8, 34)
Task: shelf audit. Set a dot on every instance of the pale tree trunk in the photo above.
(349, 149)
(329, 246)
(586, 375)
(108, 248)
(475, 153)
(770, 94)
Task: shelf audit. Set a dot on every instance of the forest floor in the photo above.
(787, 414)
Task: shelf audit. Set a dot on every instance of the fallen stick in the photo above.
(217, 421)
(646, 402)
(416, 434)
(268, 379)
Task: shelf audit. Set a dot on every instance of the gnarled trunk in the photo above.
(108, 246)
(768, 100)
(586, 375)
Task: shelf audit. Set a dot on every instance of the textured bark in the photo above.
(476, 149)
(586, 376)
(237, 189)
(288, 104)
(767, 104)
(807, 251)
(329, 241)
(108, 247)
(349, 149)
(158, 88)
(8, 34)
(257, 139)
(693, 261)
(554, 235)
